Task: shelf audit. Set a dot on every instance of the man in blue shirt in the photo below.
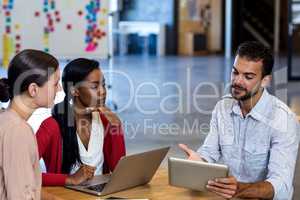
(252, 132)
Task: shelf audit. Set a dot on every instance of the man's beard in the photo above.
(248, 94)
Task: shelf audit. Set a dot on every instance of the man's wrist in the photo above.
(255, 190)
(240, 188)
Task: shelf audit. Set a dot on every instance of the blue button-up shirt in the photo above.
(262, 146)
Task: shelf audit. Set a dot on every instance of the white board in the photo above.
(28, 20)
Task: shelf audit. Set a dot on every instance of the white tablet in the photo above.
(194, 174)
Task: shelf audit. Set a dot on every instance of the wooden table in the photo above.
(158, 188)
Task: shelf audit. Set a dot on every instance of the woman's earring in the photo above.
(71, 102)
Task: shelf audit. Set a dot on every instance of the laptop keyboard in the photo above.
(97, 188)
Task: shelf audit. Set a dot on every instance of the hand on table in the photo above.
(84, 173)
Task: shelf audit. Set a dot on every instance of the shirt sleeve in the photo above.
(283, 155)
(44, 137)
(210, 149)
(48, 140)
(19, 158)
(114, 145)
(52, 179)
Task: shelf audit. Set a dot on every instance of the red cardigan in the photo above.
(49, 142)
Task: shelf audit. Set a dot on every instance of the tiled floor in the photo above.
(168, 100)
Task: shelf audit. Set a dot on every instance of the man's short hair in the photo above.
(255, 51)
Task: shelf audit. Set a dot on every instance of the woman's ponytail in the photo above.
(4, 90)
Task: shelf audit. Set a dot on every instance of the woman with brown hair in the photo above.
(33, 80)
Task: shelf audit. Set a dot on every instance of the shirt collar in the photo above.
(260, 111)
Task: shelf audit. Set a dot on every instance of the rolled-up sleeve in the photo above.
(210, 150)
(283, 155)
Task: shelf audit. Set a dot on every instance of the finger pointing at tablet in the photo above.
(192, 155)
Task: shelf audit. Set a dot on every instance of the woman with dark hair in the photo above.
(82, 132)
(33, 80)
(4, 96)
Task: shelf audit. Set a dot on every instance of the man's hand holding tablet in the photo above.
(226, 187)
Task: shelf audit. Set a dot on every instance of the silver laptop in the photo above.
(194, 174)
(131, 171)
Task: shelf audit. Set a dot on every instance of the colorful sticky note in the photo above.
(102, 22)
(7, 29)
(80, 13)
(69, 26)
(37, 14)
(104, 10)
(17, 26)
(91, 47)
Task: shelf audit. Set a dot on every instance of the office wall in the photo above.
(162, 11)
(66, 29)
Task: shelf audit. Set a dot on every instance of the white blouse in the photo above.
(93, 156)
